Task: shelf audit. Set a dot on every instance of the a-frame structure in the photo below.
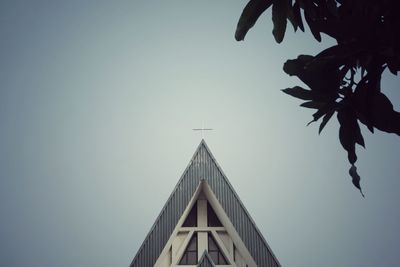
(204, 223)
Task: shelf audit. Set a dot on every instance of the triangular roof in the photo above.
(203, 166)
(205, 260)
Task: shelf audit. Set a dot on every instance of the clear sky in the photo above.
(97, 103)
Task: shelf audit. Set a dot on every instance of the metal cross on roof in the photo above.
(202, 129)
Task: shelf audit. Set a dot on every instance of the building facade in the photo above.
(204, 223)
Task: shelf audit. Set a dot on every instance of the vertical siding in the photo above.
(203, 166)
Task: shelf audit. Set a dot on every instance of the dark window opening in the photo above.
(212, 219)
(190, 255)
(191, 219)
(215, 251)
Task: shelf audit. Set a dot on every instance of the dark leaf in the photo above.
(249, 16)
(355, 178)
(325, 120)
(384, 117)
(363, 102)
(316, 73)
(349, 132)
(313, 26)
(324, 109)
(297, 15)
(317, 115)
(298, 67)
(320, 112)
(313, 104)
(349, 146)
(358, 136)
(325, 71)
(299, 92)
(375, 109)
(291, 17)
(347, 76)
(279, 15)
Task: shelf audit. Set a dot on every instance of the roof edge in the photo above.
(240, 201)
(169, 198)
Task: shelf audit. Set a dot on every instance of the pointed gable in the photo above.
(203, 166)
(205, 260)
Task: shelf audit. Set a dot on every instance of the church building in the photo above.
(204, 224)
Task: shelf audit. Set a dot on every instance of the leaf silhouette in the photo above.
(297, 15)
(313, 26)
(384, 117)
(299, 92)
(355, 178)
(279, 15)
(349, 132)
(325, 120)
(313, 104)
(249, 16)
(346, 77)
(376, 110)
(317, 73)
(291, 17)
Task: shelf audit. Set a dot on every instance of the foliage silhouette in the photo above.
(345, 78)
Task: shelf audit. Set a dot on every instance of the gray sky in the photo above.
(97, 103)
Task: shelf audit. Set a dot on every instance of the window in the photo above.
(190, 255)
(212, 219)
(215, 251)
(191, 219)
